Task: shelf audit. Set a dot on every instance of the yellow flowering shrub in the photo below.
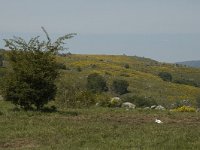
(185, 109)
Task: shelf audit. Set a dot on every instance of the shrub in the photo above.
(103, 99)
(34, 70)
(165, 76)
(138, 101)
(126, 66)
(120, 86)
(198, 101)
(1, 60)
(180, 103)
(143, 102)
(184, 109)
(79, 69)
(96, 83)
(61, 66)
(72, 94)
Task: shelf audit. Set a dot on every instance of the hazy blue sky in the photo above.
(166, 30)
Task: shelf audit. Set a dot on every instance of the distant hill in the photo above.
(195, 63)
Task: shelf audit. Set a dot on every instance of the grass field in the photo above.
(98, 128)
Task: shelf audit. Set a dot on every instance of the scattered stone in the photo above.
(159, 107)
(198, 110)
(115, 102)
(153, 107)
(158, 121)
(128, 105)
(97, 104)
(146, 108)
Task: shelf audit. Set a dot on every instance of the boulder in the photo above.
(198, 110)
(159, 107)
(128, 105)
(153, 107)
(115, 102)
(146, 108)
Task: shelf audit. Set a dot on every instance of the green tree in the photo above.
(31, 82)
(166, 76)
(1, 60)
(96, 83)
(120, 86)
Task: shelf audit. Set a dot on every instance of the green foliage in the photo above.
(198, 101)
(187, 82)
(72, 94)
(139, 101)
(61, 66)
(126, 66)
(180, 103)
(79, 69)
(103, 99)
(184, 109)
(120, 86)
(166, 76)
(34, 70)
(96, 83)
(1, 60)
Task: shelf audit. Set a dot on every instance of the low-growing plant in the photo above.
(184, 109)
(103, 100)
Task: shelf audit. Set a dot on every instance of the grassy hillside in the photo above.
(97, 128)
(142, 75)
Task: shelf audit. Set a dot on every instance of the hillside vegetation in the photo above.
(141, 74)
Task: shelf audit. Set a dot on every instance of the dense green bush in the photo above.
(96, 83)
(31, 82)
(120, 86)
(1, 60)
(126, 66)
(138, 100)
(166, 76)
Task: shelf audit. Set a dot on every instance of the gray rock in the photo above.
(159, 107)
(115, 102)
(198, 110)
(153, 107)
(146, 108)
(128, 105)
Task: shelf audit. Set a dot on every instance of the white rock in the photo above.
(158, 121)
(159, 107)
(128, 105)
(153, 107)
(146, 108)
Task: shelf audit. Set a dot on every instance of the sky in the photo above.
(165, 30)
